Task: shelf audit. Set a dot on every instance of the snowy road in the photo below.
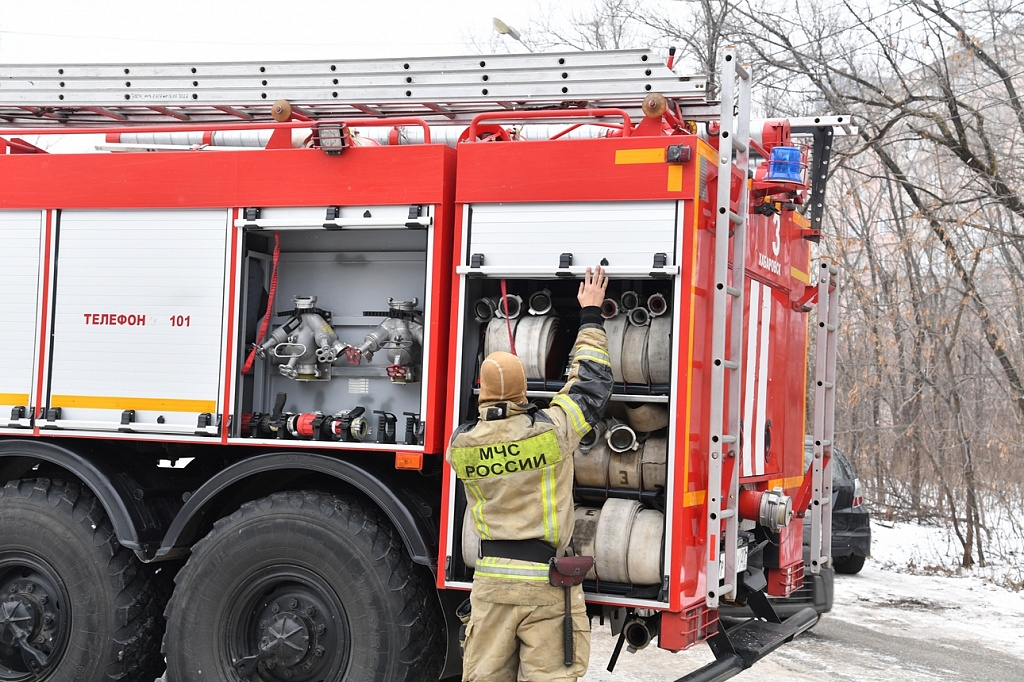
(886, 626)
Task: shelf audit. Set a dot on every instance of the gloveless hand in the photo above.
(592, 288)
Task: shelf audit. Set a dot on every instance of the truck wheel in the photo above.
(303, 587)
(849, 565)
(74, 604)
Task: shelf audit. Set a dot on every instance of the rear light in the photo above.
(858, 497)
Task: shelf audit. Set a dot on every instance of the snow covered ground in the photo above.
(890, 622)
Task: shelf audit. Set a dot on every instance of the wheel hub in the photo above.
(31, 627)
(15, 618)
(293, 626)
(286, 639)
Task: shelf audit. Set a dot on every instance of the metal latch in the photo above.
(415, 211)
(659, 265)
(476, 260)
(564, 263)
(251, 215)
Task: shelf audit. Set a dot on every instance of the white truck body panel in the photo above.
(627, 233)
(139, 318)
(21, 236)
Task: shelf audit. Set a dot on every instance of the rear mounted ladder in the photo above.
(824, 416)
(727, 333)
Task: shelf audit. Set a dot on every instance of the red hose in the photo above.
(247, 367)
(508, 322)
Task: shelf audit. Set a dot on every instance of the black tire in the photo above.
(302, 573)
(85, 604)
(849, 565)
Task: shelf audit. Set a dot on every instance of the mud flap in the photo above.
(739, 647)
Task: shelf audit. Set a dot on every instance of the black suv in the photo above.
(851, 531)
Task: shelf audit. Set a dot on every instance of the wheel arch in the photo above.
(392, 492)
(18, 457)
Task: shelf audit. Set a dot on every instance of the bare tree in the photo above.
(927, 218)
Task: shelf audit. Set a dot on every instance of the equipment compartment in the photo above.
(342, 355)
(621, 465)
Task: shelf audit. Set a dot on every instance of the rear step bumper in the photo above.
(738, 648)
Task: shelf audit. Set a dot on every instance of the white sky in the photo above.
(139, 31)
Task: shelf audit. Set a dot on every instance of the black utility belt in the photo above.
(537, 551)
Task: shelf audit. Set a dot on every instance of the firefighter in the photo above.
(517, 468)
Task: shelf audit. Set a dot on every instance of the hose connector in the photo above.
(770, 508)
(629, 300)
(657, 305)
(609, 308)
(621, 437)
(512, 303)
(540, 302)
(639, 317)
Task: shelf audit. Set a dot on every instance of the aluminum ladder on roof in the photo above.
(439, 89)
(824, 415)
(727, 333)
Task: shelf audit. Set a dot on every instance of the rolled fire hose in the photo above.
(634, 355)
(624, 470)
(647, 417)
(496, 336)
(611, 541)
(653, 461)
(534, 338)
(629, 300)
(659, 350)
(625, 539)
(643, 562)
(615, 328)
(591, 467)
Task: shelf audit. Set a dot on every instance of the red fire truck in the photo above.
(244, 306)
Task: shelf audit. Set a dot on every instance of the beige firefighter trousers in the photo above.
(522, 642)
